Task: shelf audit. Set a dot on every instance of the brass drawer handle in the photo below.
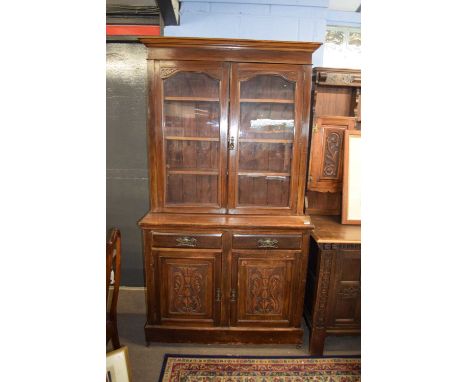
(186, 241)
(267, 243)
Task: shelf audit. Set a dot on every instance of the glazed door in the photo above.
(191, 146)
(263, 286)
(189, 286)
(265, 126)
(326, 153)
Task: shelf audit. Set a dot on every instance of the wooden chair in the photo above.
(113, 249)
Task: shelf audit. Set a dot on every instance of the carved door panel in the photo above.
(345, 296)
(189, 286)
(264, 132)
(263, 284)
(326, 154)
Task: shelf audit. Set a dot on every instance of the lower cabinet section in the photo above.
(217, 294)
(333, 300)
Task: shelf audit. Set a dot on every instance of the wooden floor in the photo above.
(146, 362)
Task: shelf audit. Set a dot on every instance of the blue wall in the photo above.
(294, 20)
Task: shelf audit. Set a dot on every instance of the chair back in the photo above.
(113, 254)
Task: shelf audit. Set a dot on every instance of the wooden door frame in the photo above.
(292, 73)
(156, 121)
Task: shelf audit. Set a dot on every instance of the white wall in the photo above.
(294, 20)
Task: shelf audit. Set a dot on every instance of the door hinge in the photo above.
(218, 295)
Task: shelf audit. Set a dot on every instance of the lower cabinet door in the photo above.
(345, 297)
(263, 284)
(189, 283)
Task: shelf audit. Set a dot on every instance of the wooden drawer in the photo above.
(186, 240)
(242, 241)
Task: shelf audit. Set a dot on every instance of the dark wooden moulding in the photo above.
(226, 261)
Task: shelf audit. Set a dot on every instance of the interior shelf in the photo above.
(192, 99)
(192, 172)
(266, 100)
(204, 139)
(262, 173)
(265, 140)
(253, 131)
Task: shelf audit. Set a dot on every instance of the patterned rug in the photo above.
(190, 368)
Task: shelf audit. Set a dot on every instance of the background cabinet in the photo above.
(336, 107)
(333, 299)
(226, 239)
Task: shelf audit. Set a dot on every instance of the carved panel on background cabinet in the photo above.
(345, 300)
(323, 287)
(266, 290)
(338, 77)
(349, 292)
(331, 157)
(326, 162)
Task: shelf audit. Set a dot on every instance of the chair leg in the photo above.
(115, 337)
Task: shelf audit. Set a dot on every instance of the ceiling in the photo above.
(336, 5)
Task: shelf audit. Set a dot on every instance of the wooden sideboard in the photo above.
(333, 293)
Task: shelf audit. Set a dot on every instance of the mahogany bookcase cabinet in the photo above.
(226, 240)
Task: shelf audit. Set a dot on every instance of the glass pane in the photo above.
(265, 191)
(265, 157)
(192, 189)
(192, 155)
(191, 84)
(266, 137)
(267, 86)
(191, 135)
(191, 119)
(266, 120)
